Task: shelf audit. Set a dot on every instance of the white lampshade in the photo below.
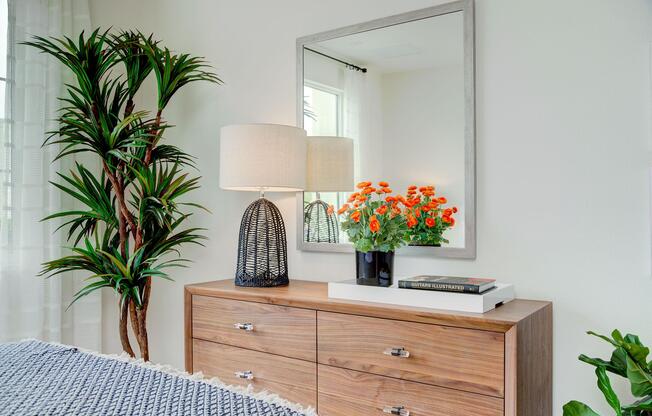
(263, 157)
(330, 164)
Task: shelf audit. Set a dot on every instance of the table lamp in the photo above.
(262, 158)
(329, 169)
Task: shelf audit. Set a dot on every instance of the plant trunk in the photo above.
(134, 320)
(139, 321)
(157, 124)
(143, 342)
(124, 333)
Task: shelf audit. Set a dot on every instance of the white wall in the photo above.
(563, 105)
(425, 126)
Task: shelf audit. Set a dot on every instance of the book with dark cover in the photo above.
(448, 284)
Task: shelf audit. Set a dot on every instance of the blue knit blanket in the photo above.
(37, 378)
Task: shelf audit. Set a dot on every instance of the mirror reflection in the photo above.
(399, 93)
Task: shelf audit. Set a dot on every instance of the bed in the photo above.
(39, 378)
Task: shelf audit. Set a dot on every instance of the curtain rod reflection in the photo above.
(347, 64)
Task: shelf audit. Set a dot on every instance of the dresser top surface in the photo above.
(314, 295)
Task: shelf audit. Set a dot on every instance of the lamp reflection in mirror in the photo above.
(329, 169)
(262, 158)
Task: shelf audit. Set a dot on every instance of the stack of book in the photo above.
(448, 284)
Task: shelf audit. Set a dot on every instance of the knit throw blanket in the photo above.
(38, 378)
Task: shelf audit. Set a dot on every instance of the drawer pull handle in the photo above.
(245, 327)
(247, 375)
(397, 352)
(397, 410)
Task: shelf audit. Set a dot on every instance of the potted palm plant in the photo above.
(133, 214)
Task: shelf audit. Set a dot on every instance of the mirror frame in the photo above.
(467, 7)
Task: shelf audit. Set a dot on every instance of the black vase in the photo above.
(374, 268)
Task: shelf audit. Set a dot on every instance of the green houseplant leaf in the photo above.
(604, 384)
(575, 408)
(628, 360)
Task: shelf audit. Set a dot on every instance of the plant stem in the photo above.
(129, 107)
(155, 134)
(141, 313)
(124, 333)
(119, 194)
(143, 342)
(134, 319)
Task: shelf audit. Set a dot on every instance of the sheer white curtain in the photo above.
(361, 121)
(31, 306)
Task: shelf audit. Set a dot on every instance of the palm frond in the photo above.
(174, 71)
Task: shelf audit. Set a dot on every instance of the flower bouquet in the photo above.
(426, 217)
(374, 223)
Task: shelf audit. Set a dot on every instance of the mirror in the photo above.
(402, 88)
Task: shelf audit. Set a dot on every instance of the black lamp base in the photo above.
(262, 247)
(319, 226)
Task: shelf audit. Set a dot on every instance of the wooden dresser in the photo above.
(353, 358)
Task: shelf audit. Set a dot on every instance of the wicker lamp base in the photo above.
(320, 226)
(262, 248)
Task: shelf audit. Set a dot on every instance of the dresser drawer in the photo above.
(352, 393)
(281, 330)
(292, 379)
(458, 358)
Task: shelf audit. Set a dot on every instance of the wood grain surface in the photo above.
(314, 295)
(291, 332)
(353, 393)
(292, 379)
(458, 358)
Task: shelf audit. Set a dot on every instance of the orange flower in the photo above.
(423, 189)
(442, 200)
(387, 190)
(380, 191)
(455, 210)
(412, 202)
(395, 211)
(448, 220)
(434, 204)
(374, 224)
(447, 212)
(382, 210)
(355, 216)
(383, 184)
(401, 199)
(417, 212)
(411, 221)
(390, 199)
(410, 193)
(430, 188)
(353, 196)
(367, 190)
(430, 222)
(362, 185)
(426, 208)
(412, 187)
(342, 210)
(330, 210)
(362, 198)
(428, 193)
